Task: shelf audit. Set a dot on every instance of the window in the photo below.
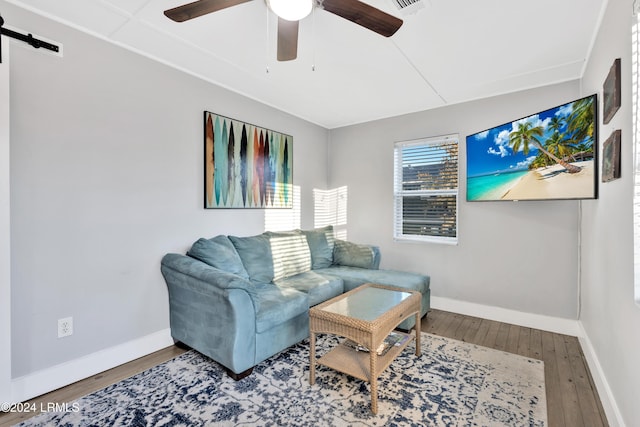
(426, 189)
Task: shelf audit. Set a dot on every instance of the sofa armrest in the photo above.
(211, 311)
(356, 255)
(198, 270)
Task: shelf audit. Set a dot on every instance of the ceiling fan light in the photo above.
(291, 10)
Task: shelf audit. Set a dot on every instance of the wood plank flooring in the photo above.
(572, 399)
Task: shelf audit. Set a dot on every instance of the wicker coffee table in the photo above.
(365, 315)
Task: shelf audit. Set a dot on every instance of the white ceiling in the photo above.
(448, 52)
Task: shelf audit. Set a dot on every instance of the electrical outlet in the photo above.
(65, 327)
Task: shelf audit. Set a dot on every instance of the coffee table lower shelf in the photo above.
(349, 361)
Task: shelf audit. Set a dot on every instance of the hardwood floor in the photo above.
(572, 399)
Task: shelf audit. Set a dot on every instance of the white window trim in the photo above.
(399, 195)
(635, 75)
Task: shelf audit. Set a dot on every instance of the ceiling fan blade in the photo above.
(199, 8)
(365, 15)
(287, 40)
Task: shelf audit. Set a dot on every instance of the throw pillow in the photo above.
(219, 253)
(353, 254)
(321, 243)
(255, 252)
(290, 252)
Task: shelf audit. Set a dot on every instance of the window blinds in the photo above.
(426, 189)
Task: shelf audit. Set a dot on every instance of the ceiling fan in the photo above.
(290, 12)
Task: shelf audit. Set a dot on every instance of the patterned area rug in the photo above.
(453, 383)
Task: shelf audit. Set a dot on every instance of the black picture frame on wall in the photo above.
(611, 93)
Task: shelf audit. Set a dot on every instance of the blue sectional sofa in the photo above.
(240, 300)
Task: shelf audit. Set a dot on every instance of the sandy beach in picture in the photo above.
(553, 182)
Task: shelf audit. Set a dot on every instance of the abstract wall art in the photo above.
(246, 166)
(611, 157)
(611, 91)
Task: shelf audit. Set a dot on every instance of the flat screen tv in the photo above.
(550, 155)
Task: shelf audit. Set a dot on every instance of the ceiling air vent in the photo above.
(408, 7)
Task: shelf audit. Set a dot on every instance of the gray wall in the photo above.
(5, 228)
(610, 317)
(107, 177)
(516, 255)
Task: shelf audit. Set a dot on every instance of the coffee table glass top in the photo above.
(367, 304)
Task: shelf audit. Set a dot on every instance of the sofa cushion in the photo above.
(275, 305)
(255, 252)
(321, 242)
(290, 252)
(319, 287)
(354, 255)
(220, 253)
(354, 277)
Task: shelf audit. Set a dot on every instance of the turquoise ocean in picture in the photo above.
(493, 186)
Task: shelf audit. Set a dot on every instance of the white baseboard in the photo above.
(614, 417)
(529, 320)
(41, 382)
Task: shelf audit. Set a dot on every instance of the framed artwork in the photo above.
(246, 166)
(552, 154)
(611, 157)
(611, 92)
